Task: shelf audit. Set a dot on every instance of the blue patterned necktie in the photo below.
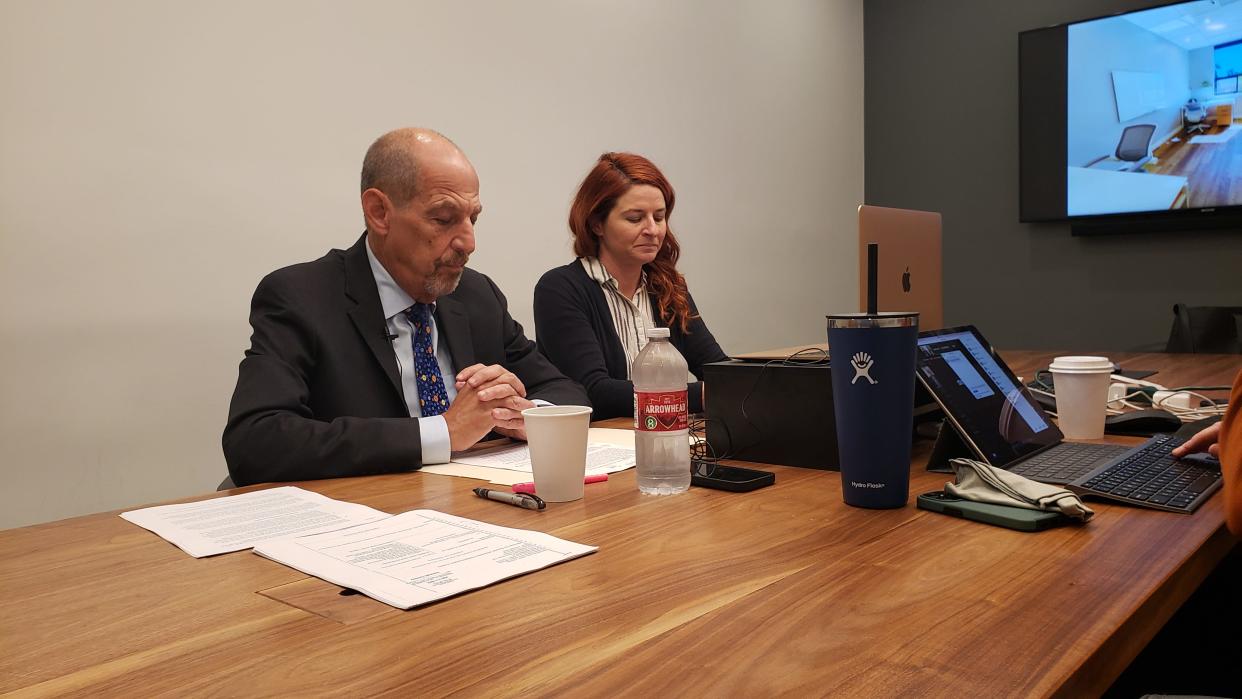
(432, 398)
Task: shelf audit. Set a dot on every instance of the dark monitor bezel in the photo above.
(1043, 132)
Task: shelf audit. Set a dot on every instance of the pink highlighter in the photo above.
(530, 487)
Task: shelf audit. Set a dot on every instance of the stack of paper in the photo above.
(238, 522)
(608, 451)
(404, 560)
(421, 556)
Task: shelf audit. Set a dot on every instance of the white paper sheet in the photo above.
(608, 435)
(600, 458)
(497, 476)
(239, 522)
(421, 556)
(510, 464)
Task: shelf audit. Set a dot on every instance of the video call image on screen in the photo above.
(1152, 103)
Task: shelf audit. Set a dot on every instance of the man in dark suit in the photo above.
(386, 356)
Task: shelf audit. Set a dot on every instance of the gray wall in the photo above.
(941, 107)
(158, 157)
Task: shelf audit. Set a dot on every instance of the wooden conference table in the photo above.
(784, 591)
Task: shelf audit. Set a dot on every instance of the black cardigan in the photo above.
(574, 330)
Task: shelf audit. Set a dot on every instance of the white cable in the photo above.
(1191, 414)
(1118, 378)
(1183, 414)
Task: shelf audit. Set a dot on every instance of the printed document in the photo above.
(608, 451)
(600, 458)
(420, 556)
(239, 522)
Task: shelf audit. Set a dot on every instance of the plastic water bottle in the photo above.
(661, 417)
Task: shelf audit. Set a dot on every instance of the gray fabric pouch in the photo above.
(983, 483)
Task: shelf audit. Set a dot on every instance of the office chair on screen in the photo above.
(1132, 149)
(1206, 329)
(1194, 119)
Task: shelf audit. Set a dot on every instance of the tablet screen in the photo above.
(981, 394)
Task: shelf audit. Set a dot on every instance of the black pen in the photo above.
(530, 502)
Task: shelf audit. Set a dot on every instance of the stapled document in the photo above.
(421, 556)
(237, 522)
(608, 451)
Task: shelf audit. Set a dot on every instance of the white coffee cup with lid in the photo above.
(1081, 385)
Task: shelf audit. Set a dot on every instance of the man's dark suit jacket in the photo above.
(319, 394)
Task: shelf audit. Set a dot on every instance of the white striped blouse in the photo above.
(631, 317)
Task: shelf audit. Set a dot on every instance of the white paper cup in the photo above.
(557, 437)
(1081, 385)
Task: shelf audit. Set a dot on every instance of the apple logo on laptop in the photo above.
(905, 280)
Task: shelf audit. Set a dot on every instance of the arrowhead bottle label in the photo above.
(661, 412)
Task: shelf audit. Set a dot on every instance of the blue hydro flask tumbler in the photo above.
(872, 357)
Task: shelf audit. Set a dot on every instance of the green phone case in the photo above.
(1018, 518)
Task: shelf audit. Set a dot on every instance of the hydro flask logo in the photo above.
(862, 367)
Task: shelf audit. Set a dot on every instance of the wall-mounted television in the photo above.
(1134, 121)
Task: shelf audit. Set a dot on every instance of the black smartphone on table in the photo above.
(738, 480)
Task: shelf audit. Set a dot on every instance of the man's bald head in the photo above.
(393, 162)
(420, 200)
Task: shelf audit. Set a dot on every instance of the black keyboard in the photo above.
(1067, 462)
(1149, 476)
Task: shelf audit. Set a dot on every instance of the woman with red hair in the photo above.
(592, 315)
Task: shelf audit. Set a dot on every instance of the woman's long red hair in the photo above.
(612, 176)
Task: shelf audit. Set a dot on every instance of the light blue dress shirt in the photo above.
(433, 431)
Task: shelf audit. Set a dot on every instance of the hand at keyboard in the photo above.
(1207, 440)
(1151, 477)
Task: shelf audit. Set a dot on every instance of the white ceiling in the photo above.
(1193, 25)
